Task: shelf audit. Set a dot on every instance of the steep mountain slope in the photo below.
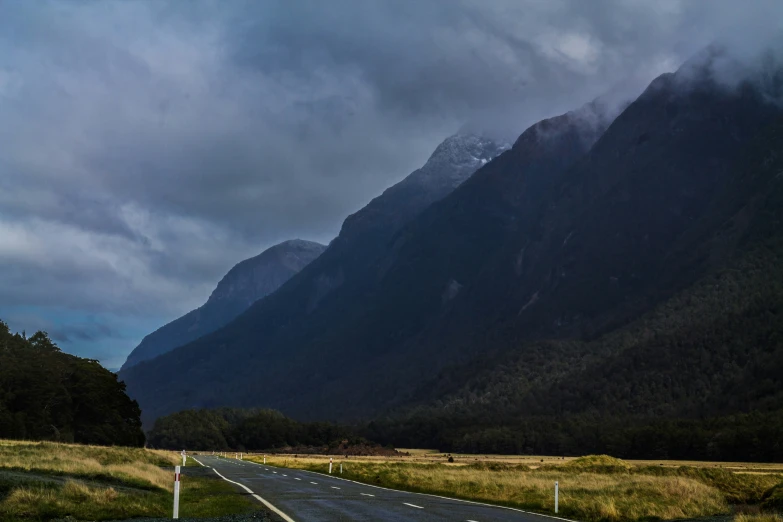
(623, 229)
(347, 265)
(626, 227)
(699, 376)
(247, 282)
(558, 239)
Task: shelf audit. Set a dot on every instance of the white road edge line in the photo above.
(438, 496)
(257, 497)
(413, 505)
(194, 458)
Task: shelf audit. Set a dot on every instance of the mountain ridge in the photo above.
(299, 299)
(582, 227)
(245, 283)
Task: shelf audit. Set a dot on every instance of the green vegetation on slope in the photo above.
(46, 394)
(700, 376)
(666, 386)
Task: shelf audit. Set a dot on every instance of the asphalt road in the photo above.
(303, 496)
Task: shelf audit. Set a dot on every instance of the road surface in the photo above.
(303, 496)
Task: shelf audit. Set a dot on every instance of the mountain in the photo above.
(346, 271)
(698, 376)
(339, 289)
(452, 162)
(645, 319)
(527, 292)
(247, 282)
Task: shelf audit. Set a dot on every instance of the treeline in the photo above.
(753, 437)
(46, 394)
(240, 429)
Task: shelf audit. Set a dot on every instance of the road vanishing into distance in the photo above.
(304, 496)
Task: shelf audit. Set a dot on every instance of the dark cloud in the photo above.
(149, 146)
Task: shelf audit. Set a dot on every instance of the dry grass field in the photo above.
(44, 480)
(595, 488)
(133, 466)
(430, 455)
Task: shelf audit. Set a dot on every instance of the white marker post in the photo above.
(176, 492)
(183, 457)
(264, 459)
(240, 457)
(557, 491)
(341, 468)
(330, 465)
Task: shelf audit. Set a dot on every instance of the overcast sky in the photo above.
(147, 147)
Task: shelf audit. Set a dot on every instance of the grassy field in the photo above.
(42, 481)
(596, 488)
(431, 455)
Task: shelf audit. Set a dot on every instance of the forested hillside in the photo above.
(46, 394)
(700, 376)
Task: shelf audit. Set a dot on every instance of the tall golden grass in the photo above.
(103, 483)
(533, 461)
(136, 466)
(759, 517)
(585, 495)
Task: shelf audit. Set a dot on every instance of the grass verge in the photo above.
(135, 467)
(207, 495)
(45, 481)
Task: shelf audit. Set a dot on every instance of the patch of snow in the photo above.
(531, 302)
(451, 290)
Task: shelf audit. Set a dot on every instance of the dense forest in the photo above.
(752, 437)
(46, 394)
(699, 377)
(238, 429)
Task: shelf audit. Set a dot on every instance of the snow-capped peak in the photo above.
(456, 159)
